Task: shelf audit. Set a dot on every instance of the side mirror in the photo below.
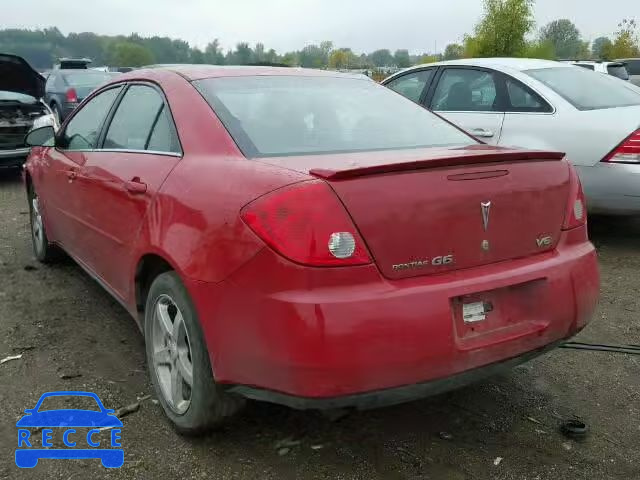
(41, 137)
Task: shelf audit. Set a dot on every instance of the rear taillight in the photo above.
(72, 95)
(307, 224)
(627, 152)
(576, 213)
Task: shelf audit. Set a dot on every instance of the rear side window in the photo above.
(523, 99)
(84, 128)
(86, 78)
(51, 82)
(298, 115)
(133, 122)
(411, 85)
(163, 136)
(618, 70)
(586, 90)
(633, 67)
(465, 90)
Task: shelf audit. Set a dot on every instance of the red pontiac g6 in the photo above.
(309, 238)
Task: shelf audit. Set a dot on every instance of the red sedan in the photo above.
(309, 238)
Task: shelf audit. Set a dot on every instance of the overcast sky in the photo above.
(363, 25)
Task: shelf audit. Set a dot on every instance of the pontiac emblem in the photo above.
(486, 209)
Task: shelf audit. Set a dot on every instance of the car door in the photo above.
(412, 85)
(139, 148)
(470, 98)
(60, 187)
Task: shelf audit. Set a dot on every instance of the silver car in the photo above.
(543, 105)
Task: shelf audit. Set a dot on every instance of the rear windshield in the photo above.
(86, 79)
(618, 70)
(587, 90)
(289, 115)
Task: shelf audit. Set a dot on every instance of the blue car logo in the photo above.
(66, 421)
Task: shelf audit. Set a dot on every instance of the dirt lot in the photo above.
(64, 324)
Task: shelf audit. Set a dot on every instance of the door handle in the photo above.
(72, 175)
(481, 132)
(135, 186)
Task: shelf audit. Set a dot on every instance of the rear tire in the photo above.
(44, 251)
(178, 360)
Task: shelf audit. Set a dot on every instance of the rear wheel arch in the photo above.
(148, 268)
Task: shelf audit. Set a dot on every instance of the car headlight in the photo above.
(45, 121)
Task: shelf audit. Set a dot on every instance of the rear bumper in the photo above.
(611, 188)
(331, 335)
(390, 396)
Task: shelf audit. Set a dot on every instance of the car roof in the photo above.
(499, 63)
(593, 62)
(199, 72)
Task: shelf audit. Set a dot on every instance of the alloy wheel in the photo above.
(172, 361)
(37, 226)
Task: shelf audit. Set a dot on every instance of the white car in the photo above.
(616, 69)
(545, 105)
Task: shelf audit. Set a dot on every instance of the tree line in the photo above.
(506, 28)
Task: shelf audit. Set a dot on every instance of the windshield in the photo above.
(16, 97)
(87, 79)
(587, 90)
(288, 115)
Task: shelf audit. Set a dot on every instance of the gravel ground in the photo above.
(65, 325)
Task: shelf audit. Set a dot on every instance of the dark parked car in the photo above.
(66, 88)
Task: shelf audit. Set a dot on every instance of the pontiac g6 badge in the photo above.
(485, 207)
(435, 262)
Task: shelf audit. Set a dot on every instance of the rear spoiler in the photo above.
(450, 161)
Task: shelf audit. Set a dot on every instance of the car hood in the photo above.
(16, 75)
(69, 418)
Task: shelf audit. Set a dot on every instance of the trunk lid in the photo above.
(441, 210)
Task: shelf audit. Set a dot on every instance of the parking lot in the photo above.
(73, 336)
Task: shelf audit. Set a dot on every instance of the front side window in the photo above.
(289, 115)
(584, 90)
(83, 129)
(523, 99)
(465, 90)
(134, 120)
(411, 85)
